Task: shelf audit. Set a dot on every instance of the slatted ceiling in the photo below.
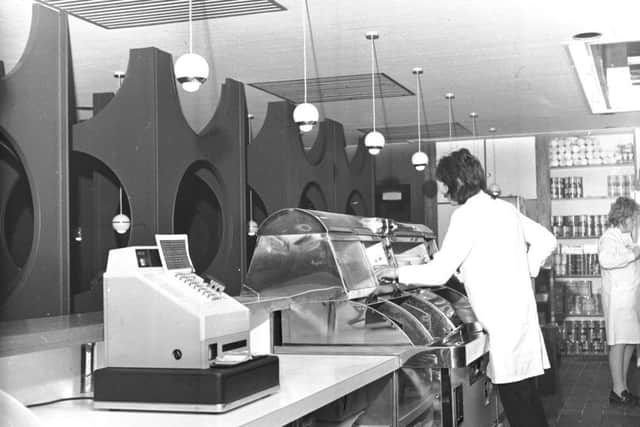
(410, 132)
(334, 88)
(112, 14)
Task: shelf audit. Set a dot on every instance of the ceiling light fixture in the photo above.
(587, 35)
(305, 115)
(121, 222)
(191, 69)
(419, 159)
(494, 189)
(374, 140)
(474, 117)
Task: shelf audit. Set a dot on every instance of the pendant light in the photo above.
(419, 159)
(121, 222)
(305, 115)
(374, 140)
(252, 226)
(191, 69)
(494, 189)
(474, 117)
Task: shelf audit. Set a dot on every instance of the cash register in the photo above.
(173, 340)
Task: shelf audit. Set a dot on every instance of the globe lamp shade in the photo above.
(191, 71)
(253, 228)
(419, 160)
(305, 116)
(121, 223)
(494, 190)
(374, 141)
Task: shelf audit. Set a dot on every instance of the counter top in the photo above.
(307, 382)
(29, 335)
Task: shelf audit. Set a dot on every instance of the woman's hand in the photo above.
(385, 273)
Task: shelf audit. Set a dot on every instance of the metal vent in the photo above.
(410, 132)
(335, 88)
(113, 14)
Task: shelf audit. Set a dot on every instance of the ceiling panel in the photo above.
(335, 88)
(112, 14)
(508, 62)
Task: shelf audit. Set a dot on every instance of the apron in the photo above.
(620, 289)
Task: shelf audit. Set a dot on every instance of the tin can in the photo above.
(588, 226)
(571, 187)
(579, 189)
(555, 188)
(626, 185)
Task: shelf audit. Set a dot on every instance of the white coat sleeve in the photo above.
(456, 246)
(612, 254)
(541, 243)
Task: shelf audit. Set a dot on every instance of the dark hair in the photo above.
(463, 175)
(621, 209)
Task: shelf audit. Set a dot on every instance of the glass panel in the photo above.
(340, 322)
(410, 253)
(292, 264)
(459, 302)
(353, 263)
(418, 404)
(291, 221)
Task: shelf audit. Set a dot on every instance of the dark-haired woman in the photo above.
(487, 240)
(620, 269)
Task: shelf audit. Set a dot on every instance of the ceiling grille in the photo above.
(112, 14)
(410, 132)
(335, 88)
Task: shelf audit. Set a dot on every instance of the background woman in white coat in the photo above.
(618, 257)
(487, 240)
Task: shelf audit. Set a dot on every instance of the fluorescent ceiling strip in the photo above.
(588, 75)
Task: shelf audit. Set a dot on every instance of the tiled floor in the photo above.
(581, 399)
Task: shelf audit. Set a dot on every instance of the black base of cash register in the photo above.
(217, 389)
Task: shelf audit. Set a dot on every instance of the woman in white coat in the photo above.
(618, 257)
(497, 250)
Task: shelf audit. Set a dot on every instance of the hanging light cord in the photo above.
(190, 30)
(418, 104)
(250, 205)
(373, 86)
(120, 200)
(495, 166)
(304, 47)
(450, 118)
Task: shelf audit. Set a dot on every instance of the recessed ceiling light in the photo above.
(587, 35)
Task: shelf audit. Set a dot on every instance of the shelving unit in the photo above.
(587, 171)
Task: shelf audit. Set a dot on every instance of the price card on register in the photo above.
(377, 255)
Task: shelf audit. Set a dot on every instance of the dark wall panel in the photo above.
(142, 137)
(34, 124)
(286, 175)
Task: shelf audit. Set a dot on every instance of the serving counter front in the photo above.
(307, 383)
(315, 274)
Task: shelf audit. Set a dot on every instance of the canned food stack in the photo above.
(619, 185)
(583, 337)
(572, 260)
(567, 187)
(580, 300)
(587, 150)
(570, 226)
